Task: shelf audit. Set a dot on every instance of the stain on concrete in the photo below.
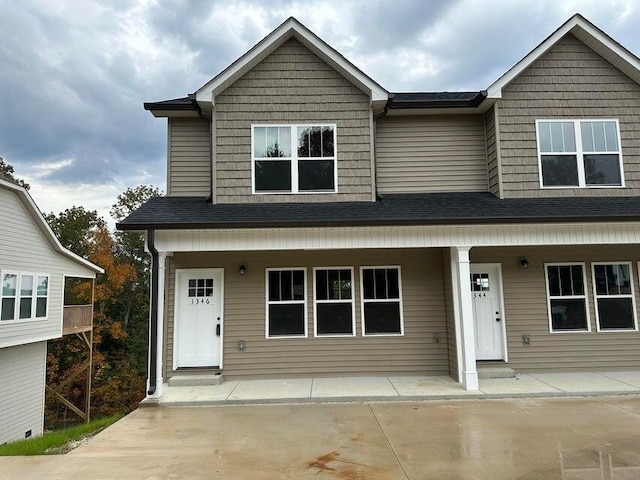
(342, 469)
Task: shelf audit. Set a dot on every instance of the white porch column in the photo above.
(162, 262)
(463, 314)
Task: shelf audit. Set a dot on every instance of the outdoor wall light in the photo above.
(242, 270)
(524, 263)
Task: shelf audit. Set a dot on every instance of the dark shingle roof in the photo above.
(410, 209)
(183, 103)
(436, 99)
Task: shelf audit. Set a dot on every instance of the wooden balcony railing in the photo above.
(77, 318)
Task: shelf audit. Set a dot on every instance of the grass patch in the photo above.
(58, 441)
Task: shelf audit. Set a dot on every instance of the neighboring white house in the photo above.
(33, 267)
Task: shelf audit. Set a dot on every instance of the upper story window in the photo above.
(24, 296)
(579, 153)
(294, 158)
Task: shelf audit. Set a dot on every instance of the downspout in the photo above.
(375, 156)
(153, 315)
(204, 116)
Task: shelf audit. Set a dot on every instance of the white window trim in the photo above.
(584, 297)
(285, 302)
(16, 308)
(579, 152)
(316, 301)
(363, 301)
(294, 159)
(596, 296)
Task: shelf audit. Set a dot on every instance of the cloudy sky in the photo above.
(74, 73)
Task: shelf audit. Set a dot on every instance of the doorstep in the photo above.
(400, 388)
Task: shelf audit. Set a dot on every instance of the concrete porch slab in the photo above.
(632, 378)
(584, 382)
(353, 387)
(194, 395)
(420, 386)
(296, 388)
(522, 385)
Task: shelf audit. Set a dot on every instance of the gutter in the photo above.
(209, 118)
(153, 315)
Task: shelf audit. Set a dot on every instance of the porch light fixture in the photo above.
(524, 263)
(242, 270)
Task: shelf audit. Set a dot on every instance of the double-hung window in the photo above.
(334, 309)
(381, 301)
(286, 303)
(566, 292)
(23, 296)
(613, 291)
(294, 158)
(579, 153)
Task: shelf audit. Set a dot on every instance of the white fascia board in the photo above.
(37, 216)
(421, 236)
(583, 30)
(291, 27)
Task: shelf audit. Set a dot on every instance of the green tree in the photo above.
(74, 228)
(6, 173)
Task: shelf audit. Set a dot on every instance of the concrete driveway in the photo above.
(475, 439)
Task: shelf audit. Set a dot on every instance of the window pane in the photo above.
(334, 284)
(334, 318)
(586, 132)
(321, 285)
(611, 136)
(273, 175)
(383, 317)
(9, 284)
(327, 142)
(298, 285)
(315, 142)
(602, 169)
(621, 279)
(578, 279)
(368, 284)
(41, 307)
(565, 280)
(316, 175)
(544, 133)
(284, 141)
(274, 286)
(286, 320)
(8, 308)
(345, 284)
(598, 137)
(599, 273)
(557, 140)
(568, 314)
(25, 308)
(274, 147)
(303, 142)
(26, 285)
(393, 289)
(260, 142)
(559, 170)
(554, 280)
(381, 283)
(286, 285)
(615, 313)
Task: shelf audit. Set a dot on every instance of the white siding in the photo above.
(24, 248)
(22, 371)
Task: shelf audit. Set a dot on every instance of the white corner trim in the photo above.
(291, 27)
(584, 30)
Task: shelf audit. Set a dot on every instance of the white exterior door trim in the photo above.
(503, 317)
(176, 312)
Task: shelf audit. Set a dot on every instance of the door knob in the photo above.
(497, 319)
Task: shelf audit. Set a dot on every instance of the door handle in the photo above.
(218, 330)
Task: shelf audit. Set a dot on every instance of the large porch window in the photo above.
(381, 301)
(613, 291)
(334, 315)
(567, 297)
(286, 303)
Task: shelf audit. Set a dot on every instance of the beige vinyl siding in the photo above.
(22, 370)
(244, 318)
(189, 157)
(435, 153)
(451, 325)
(493, 164)
(23, 248)
(569, 81)
(525, 300)
(292, 85)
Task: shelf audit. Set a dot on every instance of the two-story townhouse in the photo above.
(33, 269)
(317, 225)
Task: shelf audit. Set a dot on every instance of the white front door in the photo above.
(486, 295)
(198, 317)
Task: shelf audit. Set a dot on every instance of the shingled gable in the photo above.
(291, 28)
(587, 33)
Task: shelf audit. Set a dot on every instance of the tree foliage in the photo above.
(6, 173)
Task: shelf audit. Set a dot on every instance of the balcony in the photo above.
(77, 319)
